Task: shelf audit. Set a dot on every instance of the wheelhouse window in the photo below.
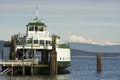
(31, 28)
(29, 41)
(35, 41)
(36, 28)
(42, 42)
(60, 58)
(41, 28)
(48, 42)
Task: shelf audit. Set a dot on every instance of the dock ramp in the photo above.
(6, 71)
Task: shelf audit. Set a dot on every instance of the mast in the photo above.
(37, 12)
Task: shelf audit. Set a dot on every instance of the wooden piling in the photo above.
(2, 55)
(53, 57)
(12, 70)
(23, 70)
(99, 62)
(32, 70)
(53, 63)
(44, 57)
(12, 49)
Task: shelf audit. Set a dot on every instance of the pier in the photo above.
(31, 65)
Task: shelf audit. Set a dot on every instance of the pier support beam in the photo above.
(12, 71)
(12, 49)
(53, 57)
(44, 57)
(99, 62)
(32, 70)
(23, 70)
(2, 55)
(53, 63)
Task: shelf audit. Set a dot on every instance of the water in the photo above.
(86, 69)
(82, 68)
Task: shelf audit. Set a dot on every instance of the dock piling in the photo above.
(2, 55)
(12, 49)
(31, 70)
(53, 57)
(44, 57)
(23, 70)
(12, 69)
(99, 62)
(53, 63)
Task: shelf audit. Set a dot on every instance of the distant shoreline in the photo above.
(91, 57)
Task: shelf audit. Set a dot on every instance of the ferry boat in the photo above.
(38, 40)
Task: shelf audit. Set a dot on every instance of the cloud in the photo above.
(16, 6)
(74, 38)
(64, 6)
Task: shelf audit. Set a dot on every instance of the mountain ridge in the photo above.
(75, 52)
(95, 48)
(74, 38)
(1, 45)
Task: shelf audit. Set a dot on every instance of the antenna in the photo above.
(37, 13)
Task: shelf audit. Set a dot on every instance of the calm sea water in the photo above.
(82, 68)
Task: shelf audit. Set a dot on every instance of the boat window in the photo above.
(35, 41)
(31, 28)
(41, 28)
(60, 58)
(29, 41)
(36, 28)
(48, 42)
(41, 41)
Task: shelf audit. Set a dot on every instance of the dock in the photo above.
(30, 65)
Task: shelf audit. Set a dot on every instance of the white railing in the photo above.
(18, 62)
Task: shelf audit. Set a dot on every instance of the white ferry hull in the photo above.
(63, 57)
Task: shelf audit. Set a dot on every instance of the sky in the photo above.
(97, 20)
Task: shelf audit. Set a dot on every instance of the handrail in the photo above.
(18, 62)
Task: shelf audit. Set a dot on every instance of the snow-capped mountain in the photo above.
(80, 43)
(74, 38)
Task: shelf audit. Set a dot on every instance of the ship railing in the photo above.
(63, 45)
(19, 62)
(30, 43)
(27, 45)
